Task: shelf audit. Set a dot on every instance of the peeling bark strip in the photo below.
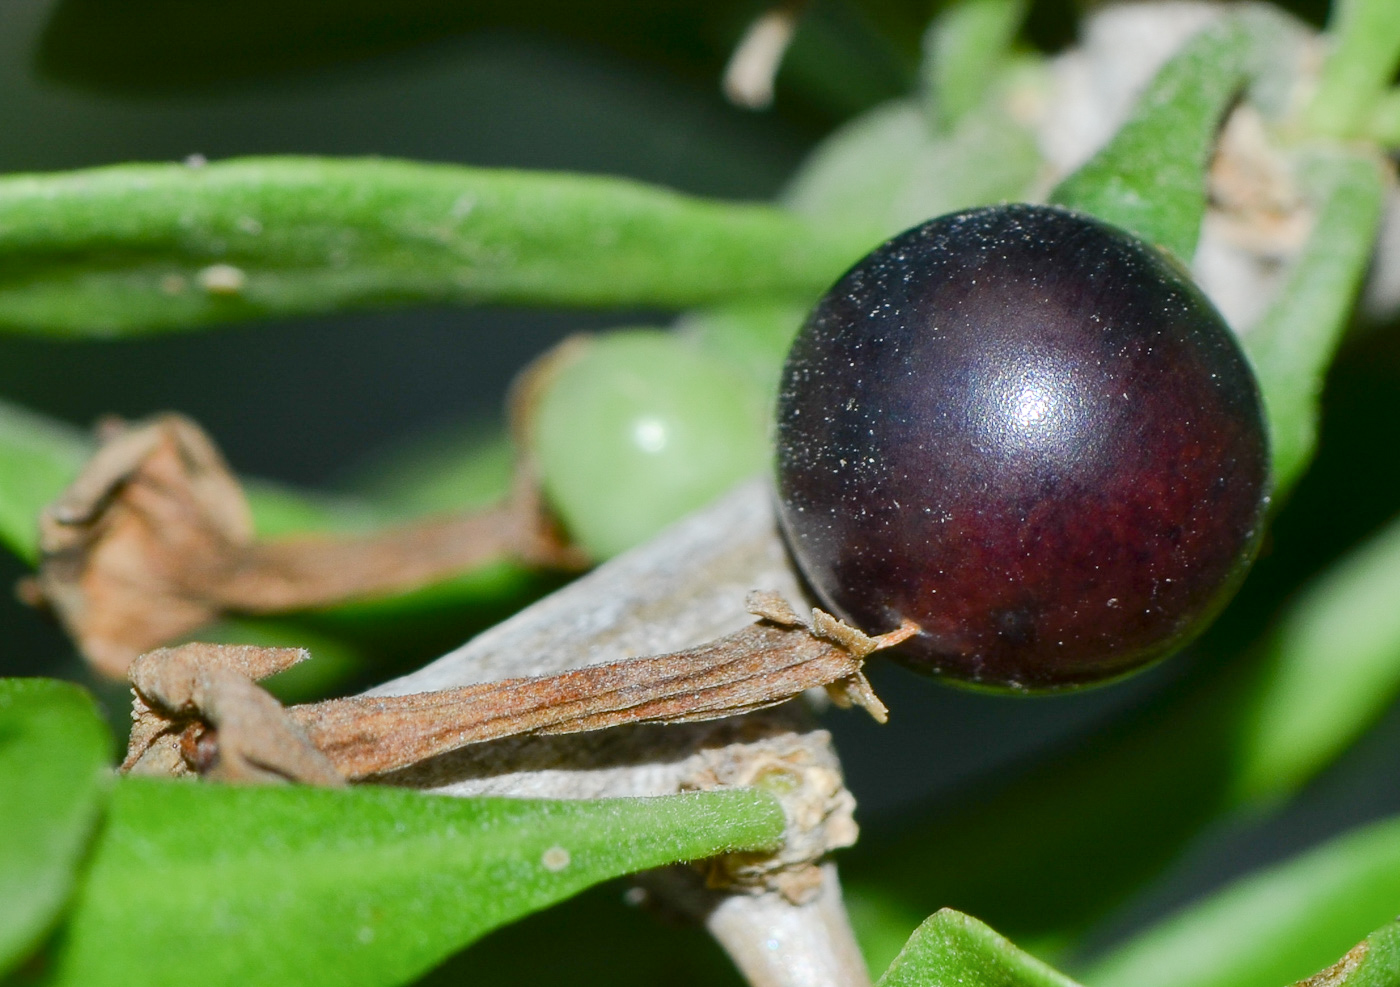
(752, 669)
(154, 540)
(755, 668)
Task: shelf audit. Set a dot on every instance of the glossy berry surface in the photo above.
(1032, 435)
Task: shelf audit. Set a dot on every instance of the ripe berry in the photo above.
(1032, 435)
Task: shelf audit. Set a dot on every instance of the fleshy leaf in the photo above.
(54, 753)
(1273, 927)
(1293, 343)
(136, 248)
(885, 172)
(955, 950)
(963, 51)
(1384, 123)
(1365, 48)
(1333, 668)
(1150, 178)
(38, 458)
(457, 468)
(362, 887)
(1373, 962)
(752, 338)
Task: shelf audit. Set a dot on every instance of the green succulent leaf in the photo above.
(54, 751)
(1150, 178)
(138, 248)
(1364, 37)
(752, 338)
(1373, 962)
(955, 950)
(963, 51)
(1275, 926)
(39, 457)
(886, 171)
(447, 469)
(1384, 123)
(1093, 822)
(1293, 344)
(360, 887)
(1333, 666)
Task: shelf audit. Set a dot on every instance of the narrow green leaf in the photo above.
(753, 338)
(1150, 178)
(38, 458)
(885, 171)
(1373, 962)
(1273, 927)
(1364, 37)
(1384, 125)
(1333, 667)
(1092, 822)
(456, 468)
(1292, 345)
(136, 248)
(54, 751)
(371, 886)
(963, 51)
(955, 950)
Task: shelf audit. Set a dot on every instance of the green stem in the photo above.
(1150, 178)
(1293, 343)
(1384, 126)
(136, 248)
(1365, 49)
(963, 49)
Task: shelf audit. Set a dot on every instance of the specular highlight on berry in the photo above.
(1031, 434)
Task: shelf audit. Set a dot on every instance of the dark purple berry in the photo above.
(1032, 435)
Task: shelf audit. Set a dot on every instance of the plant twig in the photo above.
(755, 668)
(796, 940)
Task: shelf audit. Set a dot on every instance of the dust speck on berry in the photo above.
(1032, 435)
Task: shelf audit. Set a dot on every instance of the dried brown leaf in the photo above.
(754, 668)
(154, 540)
